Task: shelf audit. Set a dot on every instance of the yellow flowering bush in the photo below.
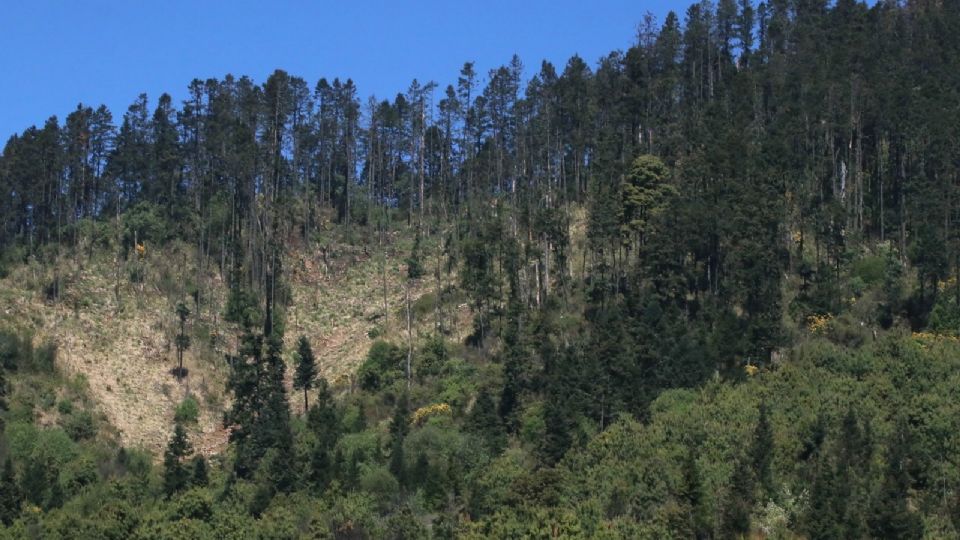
(927, 338)
(818, 323)
(420, 415)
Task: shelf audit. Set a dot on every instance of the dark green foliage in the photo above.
(146, 223)
(432, 357)
(80, 425)
(382, 365)
(10, 496)
(199, 475)
(305, 373)
(485, 422)
(176, 474)
(399, 427)
(323, 421)
(182, 340)
(738, 502)
(693, 498)
(642, 241)
(243, 307)
(477, 279)
(414, 261)
(890, 514)
(761, 453)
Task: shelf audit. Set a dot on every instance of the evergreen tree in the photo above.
(761, 452)
(3, 396)
(485, 423)
(399, 427)
(738, 502)
(200, 475)
(891, 515)
(10, 496)
(176, 475)
(305, 375)
(182, 340)
(692, 497)
(414, 261)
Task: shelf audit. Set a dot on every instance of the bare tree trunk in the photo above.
(409, 335)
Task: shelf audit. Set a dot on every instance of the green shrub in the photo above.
(188, 411)
(65, 407)
(48, 398)
(424, 306)
(382, 366)
(44, 357)
(193, 504)
(243, 307)
(145, 224)
(77, 474)
(80, 426)
(379, 483)
(9, 349)
(432, 357)
(871, 269)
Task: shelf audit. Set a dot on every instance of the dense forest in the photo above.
(713, 283)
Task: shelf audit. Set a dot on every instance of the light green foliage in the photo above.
(645, 194)
(187, 411)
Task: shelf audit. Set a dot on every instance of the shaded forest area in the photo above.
(714, 282)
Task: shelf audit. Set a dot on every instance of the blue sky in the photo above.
(56, 53)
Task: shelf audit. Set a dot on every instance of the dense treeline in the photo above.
(780, 126)
(722, 206)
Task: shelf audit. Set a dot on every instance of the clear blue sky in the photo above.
(56, 53)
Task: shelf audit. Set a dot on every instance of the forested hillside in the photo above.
(704, 287)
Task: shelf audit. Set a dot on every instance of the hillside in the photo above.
(125, 349)
(707, 286)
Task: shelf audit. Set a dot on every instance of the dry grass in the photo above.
(126, 352)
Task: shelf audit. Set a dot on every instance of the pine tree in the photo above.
(272, 429)
(3, 396)
(182, 340)
(399, 427)
(692, 496)
(323, 419)
(305, 375)
(738, 502)
(891, 515)
(415, 260)
(200, 475)
(176, 476)
(10, 496)
(485, 423)
(761, 452)
(36, 481)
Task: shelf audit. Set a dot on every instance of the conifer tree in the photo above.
(692, 496)
(891, 515)
(761, 452)
(182, 340)
(200, 475)
(485, 423)
(399, 427)
(176, 475)
(415, 260)
(3, 395)
(10, 496)
(305, 375)
(738, 502)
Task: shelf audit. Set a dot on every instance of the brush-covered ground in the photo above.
(114, 330)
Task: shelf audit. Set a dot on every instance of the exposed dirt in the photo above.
(125, 350)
